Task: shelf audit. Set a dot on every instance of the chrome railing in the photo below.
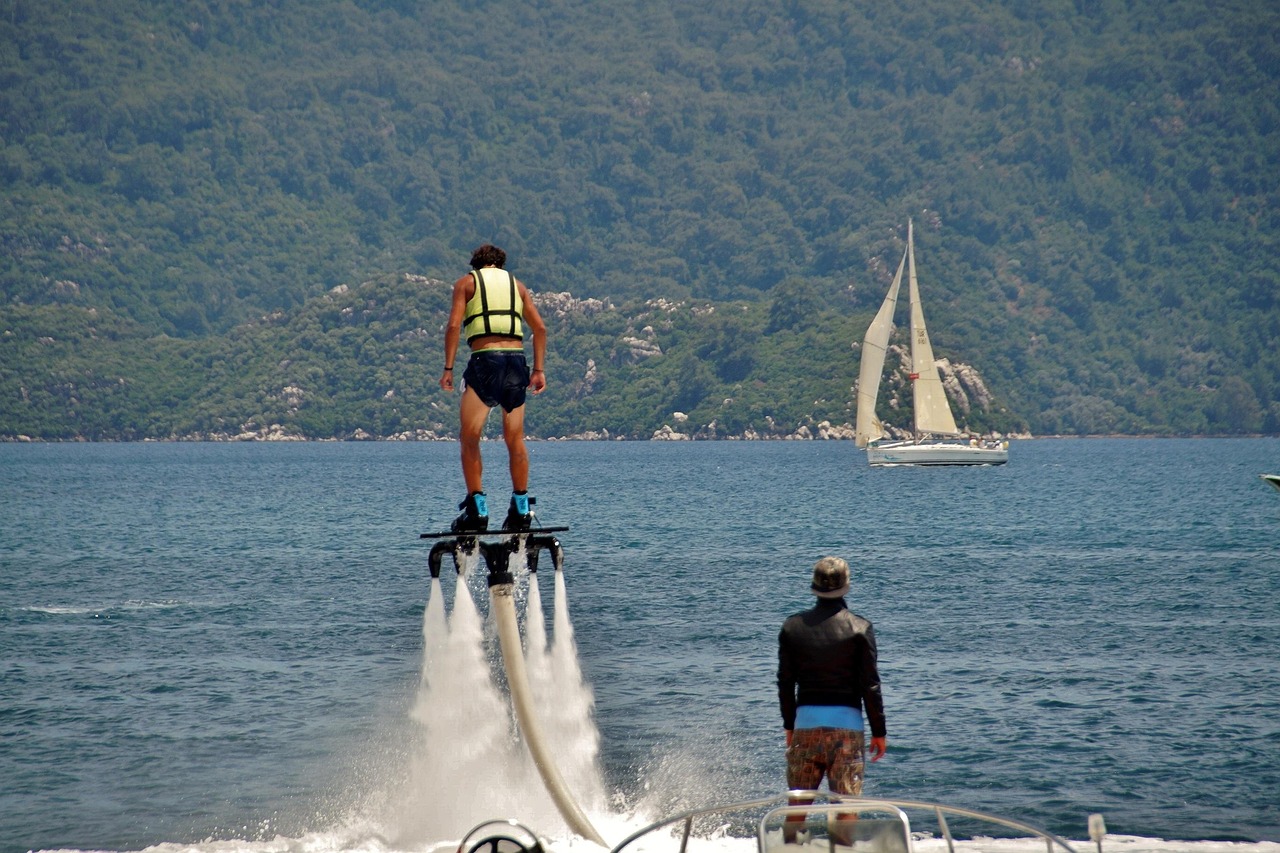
(891, 834)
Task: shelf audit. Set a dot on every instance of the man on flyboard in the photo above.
(493, 309)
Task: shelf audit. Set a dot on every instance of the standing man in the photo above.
(493, 308)
(827, 676)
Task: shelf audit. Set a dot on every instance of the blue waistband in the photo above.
(828, 717)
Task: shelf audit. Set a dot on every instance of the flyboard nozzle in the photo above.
(451, 547)
(537, 544)
(436, 557)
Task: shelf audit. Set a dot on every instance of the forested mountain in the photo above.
(1094, 186)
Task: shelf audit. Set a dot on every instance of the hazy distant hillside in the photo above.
(1094, 184)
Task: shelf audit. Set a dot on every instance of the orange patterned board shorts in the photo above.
(834, 753)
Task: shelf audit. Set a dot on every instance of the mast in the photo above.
(932, 412)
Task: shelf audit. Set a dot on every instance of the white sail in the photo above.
(929, 398)
(875, 344)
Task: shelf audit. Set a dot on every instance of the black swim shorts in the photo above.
(499, 378)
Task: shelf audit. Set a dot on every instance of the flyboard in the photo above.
(496, 553)
(498, 547)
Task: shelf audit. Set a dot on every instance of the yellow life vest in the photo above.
(495, 308)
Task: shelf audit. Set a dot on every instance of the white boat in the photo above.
(1273, 479)
(810, 822)
(937, 440)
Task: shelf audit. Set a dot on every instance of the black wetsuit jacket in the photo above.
(829, 654)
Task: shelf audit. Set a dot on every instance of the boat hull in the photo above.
(937, 453)
(1273, 479)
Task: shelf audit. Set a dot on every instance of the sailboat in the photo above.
(937, 440)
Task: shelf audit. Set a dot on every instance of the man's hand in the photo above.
(537, 381)
(788, 731)
(446, 380)
(878, 747)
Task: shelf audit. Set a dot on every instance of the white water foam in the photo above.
(104, 610)
(470, 764)
(565, 701)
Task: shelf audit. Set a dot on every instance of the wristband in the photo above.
(448, 368)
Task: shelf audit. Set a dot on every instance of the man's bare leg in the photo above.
(517, 453)
(473, 414)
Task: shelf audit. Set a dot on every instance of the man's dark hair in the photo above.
(487, 256)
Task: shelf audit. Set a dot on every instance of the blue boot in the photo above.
(520, 513)
(475, 514)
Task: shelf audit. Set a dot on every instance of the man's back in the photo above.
(827, 656)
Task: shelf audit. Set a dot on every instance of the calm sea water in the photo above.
(218, 646)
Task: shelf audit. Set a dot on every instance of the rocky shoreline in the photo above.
(823, 431)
